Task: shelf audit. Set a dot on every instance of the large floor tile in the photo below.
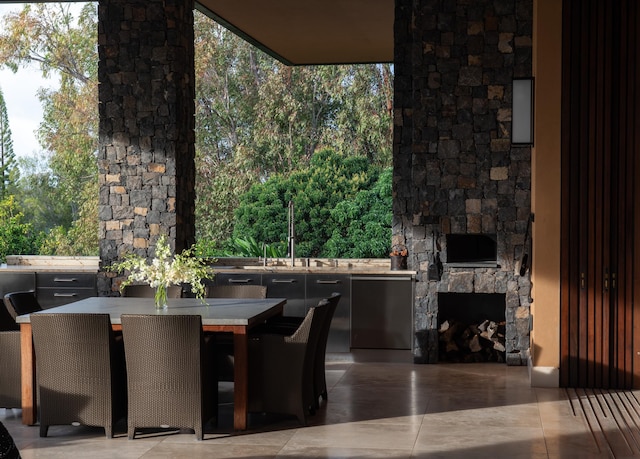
(376, 409)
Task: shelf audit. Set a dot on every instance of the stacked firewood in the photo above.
(468, 343)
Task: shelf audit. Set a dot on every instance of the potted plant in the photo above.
(164, 271)
(398, 256)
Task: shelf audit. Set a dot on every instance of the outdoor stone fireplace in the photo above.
(461, 190)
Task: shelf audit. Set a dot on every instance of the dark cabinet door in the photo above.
(322, 286)
(289, 286)
(381, 312)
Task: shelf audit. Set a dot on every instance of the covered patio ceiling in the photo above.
(309, 32)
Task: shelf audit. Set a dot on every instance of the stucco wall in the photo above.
(545, 200)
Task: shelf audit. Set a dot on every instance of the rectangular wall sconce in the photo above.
(522, 112)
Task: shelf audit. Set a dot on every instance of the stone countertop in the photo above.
(40, 263)
(309, 266)
(4, 268)
(33, 263)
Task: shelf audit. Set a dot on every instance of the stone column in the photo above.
(146, 139)
(455, 169)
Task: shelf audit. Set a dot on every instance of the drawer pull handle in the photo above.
(65, 295)
(284, 281)
(239, 281)
(65, 279)
(327, 282)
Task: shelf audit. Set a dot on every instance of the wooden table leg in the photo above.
(240, 379)
(27, 356)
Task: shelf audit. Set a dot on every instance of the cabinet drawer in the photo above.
(237, 279)
(66, 280)
(289, 286)
(52, 297)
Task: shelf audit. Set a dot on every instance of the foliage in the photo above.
(248, 247)
(82, 237)
(46, 34)
(37, 194)
(16, 236)
(218, 191)
(162, 270)
(362, 226)
(331, 179)
(8, 167)
(255, 119)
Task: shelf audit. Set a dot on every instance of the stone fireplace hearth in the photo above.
(458, 180)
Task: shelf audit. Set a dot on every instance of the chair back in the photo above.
(10, 370)
(7, 321)
(80, 372)
(166, 382)
(19, 303)
(146, 291)
(320, 381)
(281, 367)
(236, 291)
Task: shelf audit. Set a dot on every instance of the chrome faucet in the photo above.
(264, 254)
(291, 239)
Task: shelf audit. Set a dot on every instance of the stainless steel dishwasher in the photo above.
(381, 312)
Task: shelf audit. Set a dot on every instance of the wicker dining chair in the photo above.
(224, 341)
(80, 368)
(281, 367)
(19, 303)
(170, 376)
(146, 291)
(287, 325)
(319, 364)
(10, 376)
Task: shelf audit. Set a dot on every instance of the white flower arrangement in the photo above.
(164, 271)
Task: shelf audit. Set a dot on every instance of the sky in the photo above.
(23, 107)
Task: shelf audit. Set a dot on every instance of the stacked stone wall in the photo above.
(146, 135)
(455, 169)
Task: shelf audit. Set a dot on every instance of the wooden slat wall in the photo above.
(600, 140)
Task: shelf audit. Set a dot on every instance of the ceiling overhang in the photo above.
(310, 32)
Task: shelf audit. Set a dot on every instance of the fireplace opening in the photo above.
(472, 250)
(471, 327)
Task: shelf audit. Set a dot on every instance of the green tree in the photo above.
(37, 195)
(257, 118)
(8, 167)
(16, 236)
(49, 36)
(362, 225)
(228, 74)
(331, 179)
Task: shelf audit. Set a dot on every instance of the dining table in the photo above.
(224, 315)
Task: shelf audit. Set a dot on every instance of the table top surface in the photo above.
(214, 311)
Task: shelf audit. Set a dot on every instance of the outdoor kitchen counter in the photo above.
(370, 266)
(40, 263)
(312, 270)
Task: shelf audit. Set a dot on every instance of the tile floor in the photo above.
(376, 409)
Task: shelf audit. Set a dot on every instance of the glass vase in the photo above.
(161, 296)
